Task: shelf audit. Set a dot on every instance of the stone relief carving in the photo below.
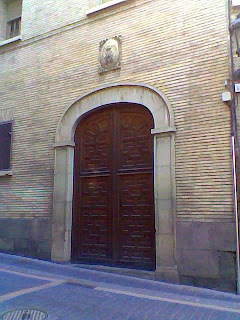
(6, 114)
(110, 51)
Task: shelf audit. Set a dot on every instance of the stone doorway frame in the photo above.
(164, 170)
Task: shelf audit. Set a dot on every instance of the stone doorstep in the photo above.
(143, 274)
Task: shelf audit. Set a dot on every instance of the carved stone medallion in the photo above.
(110, 54)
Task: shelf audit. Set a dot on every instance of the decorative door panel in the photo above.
(135, 140)
(95, 227)
(136, 224)
(113, 219)
(96, 144)
(92, 229)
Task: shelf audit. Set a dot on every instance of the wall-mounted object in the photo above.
(226, 96)
(237, 87)
(110, 54)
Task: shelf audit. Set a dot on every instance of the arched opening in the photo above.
(163, 169)
(113, 220)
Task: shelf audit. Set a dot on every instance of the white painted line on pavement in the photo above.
(27, 275)
(176, 301)
(56, 282)
(29, 290)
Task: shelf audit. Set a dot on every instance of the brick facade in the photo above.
(178, 47)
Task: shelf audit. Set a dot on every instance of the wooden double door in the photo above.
(113, 220)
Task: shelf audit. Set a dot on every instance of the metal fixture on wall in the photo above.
(235, 30)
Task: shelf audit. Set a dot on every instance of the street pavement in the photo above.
(71, 293)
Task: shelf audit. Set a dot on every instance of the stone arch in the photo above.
(164, 170)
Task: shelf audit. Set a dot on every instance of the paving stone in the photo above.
(7, 245)
(200, 235)
(27, 247)
(227, 266)
(195, 263)
(44, 249)
(222, 236)
(184, 235)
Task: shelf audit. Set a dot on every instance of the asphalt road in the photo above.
(67, 292)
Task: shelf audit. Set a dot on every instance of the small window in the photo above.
(5, 145)
(14, 28)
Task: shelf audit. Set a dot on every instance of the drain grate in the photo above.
(24, 314)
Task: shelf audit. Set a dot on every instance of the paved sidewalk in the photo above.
(68, 292)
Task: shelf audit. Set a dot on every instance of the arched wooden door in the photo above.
(113, 220)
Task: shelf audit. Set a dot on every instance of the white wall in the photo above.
(236, 2)
(39, 17)
(3, 20)
(14, 9)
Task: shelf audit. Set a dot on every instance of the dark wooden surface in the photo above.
(113, 220)
(5, 145)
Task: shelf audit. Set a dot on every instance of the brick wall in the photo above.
(179, 47)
